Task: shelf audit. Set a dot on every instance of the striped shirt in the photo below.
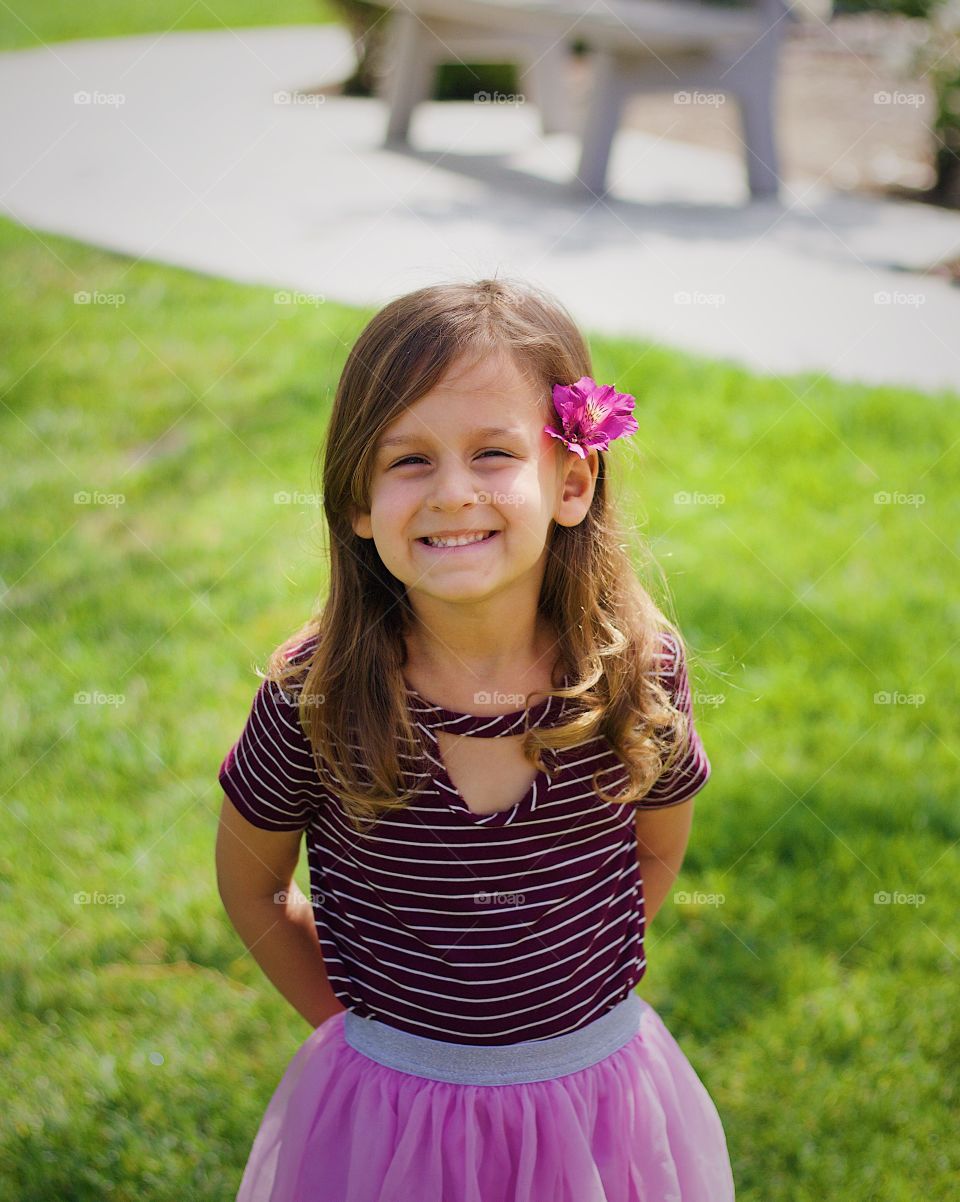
(514, 926)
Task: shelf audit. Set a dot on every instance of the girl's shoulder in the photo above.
(668, 664)
(301, 651)
(270, 773)
(292, 660)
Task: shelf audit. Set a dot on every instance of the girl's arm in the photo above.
(253, 864)
(662, 837)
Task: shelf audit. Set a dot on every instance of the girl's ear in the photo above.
(577, 488)
(360, 521)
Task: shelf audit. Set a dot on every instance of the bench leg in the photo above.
(753, 80)
(604, 109)
(547, 81)
(757, 119)
(410, 52)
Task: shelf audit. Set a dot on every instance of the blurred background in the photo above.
(201, 210)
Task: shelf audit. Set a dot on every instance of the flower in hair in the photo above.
(592, 415)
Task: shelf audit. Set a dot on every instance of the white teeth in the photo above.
(463, 541)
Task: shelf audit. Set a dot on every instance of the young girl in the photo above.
(483, 865)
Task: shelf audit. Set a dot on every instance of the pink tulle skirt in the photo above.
(637, 1126)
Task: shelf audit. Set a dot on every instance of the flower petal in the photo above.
(592, 414)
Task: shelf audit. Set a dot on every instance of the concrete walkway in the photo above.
(194, 149)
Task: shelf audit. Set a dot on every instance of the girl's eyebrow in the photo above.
(399, 440)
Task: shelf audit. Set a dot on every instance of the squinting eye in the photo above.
(408, 458)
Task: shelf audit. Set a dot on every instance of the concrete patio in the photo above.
(197, 149)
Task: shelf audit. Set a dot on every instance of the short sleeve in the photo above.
(692, 770)
(269, 773)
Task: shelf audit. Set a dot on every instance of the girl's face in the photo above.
(440, 469)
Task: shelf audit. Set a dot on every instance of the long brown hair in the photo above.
(350, 683)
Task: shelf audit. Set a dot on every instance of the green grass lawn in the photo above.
(24, 24)
(139, 1041)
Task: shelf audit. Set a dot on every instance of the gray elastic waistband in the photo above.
(506, 1064)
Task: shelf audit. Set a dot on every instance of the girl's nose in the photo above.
(453, 484)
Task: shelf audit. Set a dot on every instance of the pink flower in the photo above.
(593, 415)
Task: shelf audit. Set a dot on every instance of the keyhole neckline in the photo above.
(436, 717)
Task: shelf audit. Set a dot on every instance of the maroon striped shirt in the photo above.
(518, 925)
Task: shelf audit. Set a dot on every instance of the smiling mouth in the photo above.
(458, 544)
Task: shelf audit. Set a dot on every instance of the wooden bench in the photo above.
(636, 46)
